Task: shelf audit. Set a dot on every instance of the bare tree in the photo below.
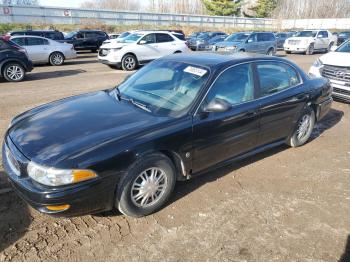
(130, 5)
(177, 6)
(297, 9)
(20, 2)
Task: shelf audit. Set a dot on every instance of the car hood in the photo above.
(336, 59)
(52, 133)
(228, 43)
(300, 38)
(113, 44)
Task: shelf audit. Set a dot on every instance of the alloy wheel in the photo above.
(14, 72)
(129, 63)
(57, 59)
(304, 127)
(149, 187)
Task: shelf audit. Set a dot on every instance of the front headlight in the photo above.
(116, 49)
(57, 177)
(318, 63)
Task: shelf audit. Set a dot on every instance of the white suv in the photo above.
(309, 41)
(139, 48)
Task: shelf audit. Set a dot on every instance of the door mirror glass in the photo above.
(217, 105)
(142, 42)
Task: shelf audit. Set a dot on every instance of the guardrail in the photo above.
(56, 15)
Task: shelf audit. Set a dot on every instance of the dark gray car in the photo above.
(205, 40)
(253, 42)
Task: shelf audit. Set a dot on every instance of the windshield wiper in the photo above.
(119, 96)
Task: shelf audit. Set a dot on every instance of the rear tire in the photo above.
(288, 52)
(303, 129)
(146, 186)
(13, 72)
(56, 59)
(129, 62)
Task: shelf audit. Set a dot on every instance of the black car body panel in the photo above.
(9, 52)
(96, 131)
(51, 34)
(86, 39)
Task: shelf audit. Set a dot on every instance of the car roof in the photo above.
(30, 36)
(216, 59)
(36, 30)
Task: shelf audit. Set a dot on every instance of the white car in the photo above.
(139, 48)
(336, 67)
(43, 50)
(309, 41)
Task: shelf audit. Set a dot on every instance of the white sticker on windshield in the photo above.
(195, 71)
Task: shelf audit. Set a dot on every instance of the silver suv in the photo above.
(253, 42)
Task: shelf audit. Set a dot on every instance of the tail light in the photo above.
(20, 49)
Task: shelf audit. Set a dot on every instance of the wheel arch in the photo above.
(57, 52)
(11, 60)
(182, 172)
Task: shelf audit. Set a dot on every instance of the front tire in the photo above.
(14, 72)
(310, 50)
(56, 59)
(129, 62)
(270, 52)
(304, 128)
(146, 186)
(288, 52)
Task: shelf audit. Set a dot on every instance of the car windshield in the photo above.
(237, 37)
(344, 34)
(281, 35)
(344, 47)
(204, 35)
(132, 38)
(123, 35)
(71, 34)
(306, 34)
(166, 88)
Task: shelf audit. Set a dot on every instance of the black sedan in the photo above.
(175, 118)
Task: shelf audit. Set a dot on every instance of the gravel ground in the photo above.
(282, 205)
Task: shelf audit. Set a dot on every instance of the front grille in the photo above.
(294, 42)
(337, 73)
(14, 165)
(104, 52)
(341, 91)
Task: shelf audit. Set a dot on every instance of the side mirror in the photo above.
(217, 105)
(142, 42)
(333, 48)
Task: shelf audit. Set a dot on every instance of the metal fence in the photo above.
(56, 15)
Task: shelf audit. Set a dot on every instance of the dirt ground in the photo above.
(282, 205)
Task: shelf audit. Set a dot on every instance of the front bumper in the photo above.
(84, 198)
(341, 89)
(295, 48)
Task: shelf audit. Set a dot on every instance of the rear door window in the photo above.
(275, 77)
(163, 38)
(32, 41)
